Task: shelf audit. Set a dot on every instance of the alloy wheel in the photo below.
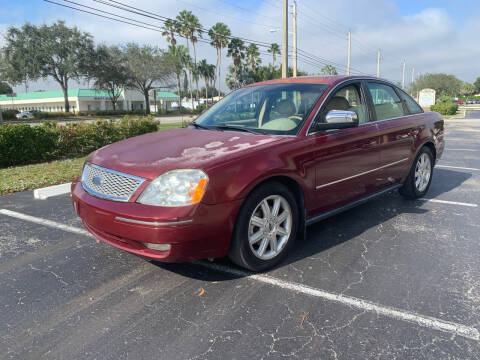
(270, 227)
(423, 172)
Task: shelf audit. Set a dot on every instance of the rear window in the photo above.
(412, 105)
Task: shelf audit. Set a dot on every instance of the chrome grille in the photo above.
(109, 184)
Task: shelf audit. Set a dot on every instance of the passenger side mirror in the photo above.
(338, 119)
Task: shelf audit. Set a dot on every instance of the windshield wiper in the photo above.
(239, 128)
(198, 126)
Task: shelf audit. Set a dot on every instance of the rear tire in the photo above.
(420, 176)
(266, 227)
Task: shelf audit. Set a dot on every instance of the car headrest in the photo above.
(338, 103)
(285, 107)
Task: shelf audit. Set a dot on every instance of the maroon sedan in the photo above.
(249, 175)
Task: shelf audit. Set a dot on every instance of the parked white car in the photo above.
(24, 115)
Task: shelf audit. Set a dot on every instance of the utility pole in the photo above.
(378, 63)
(413, 74)
(294, 38)
(403, 75)
(285, 40)
(349, 53)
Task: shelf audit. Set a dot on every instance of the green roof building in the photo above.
(84, 100)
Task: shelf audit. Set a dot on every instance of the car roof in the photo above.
(325, 80)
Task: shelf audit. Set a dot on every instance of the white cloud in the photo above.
(429, 40)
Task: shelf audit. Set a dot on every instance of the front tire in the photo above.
(420, 177)
(266, 227)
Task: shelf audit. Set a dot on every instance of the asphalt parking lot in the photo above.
(389, 279)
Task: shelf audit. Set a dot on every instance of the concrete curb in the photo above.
(49, 191)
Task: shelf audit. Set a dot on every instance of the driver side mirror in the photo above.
(339, 119)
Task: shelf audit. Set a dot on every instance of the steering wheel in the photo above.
(296, 117)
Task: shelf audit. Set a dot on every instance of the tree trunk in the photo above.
(147, 102)
(206, 90)
(216, 71)
(114, 103)
(179, 93)
(219, 72)
(195, 62)
(65, 97)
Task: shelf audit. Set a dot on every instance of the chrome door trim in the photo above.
(361, 174)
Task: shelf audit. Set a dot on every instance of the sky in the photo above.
(430, 36)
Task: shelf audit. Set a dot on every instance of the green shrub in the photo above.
(40, 115)
(25, 144)
(9, 115)
(445, 108)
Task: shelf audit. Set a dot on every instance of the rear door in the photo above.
(397, 131)
(345, 159)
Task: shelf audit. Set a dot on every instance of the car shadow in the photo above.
(334, 231)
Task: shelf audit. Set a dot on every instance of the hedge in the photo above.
(24, 144)
(9, 115)
(445, 108)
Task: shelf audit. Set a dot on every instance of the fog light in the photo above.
(158, 247)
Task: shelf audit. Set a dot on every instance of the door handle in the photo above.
(413, 133)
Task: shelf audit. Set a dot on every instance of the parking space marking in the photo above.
(45, 222)
(50, 191)
(399, 314)
(352, 302)
(449, 202)
(461, 150)
(456, 167)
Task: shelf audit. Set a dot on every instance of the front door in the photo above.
(346, 160)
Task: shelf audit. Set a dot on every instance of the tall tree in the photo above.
(467, 89)
(443, 84)
(328, 70)
(170, 28)
(189, 27)
(253, 56)
(5, 88)
(477, 85)
(274, 50)
(177, 58)
(109, 72)
(219, 35)
(236, 50)
(48, 51)
(207, 72)
(146, 68)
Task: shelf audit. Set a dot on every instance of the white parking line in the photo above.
(399, 314)
(449, 202)
(426, 321)
(45, 222)
(456, 167)
(462, 150)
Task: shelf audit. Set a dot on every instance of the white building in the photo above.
(84, 100)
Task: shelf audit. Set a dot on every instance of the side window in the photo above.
(386, 102)
(347, 98)
(412, 105)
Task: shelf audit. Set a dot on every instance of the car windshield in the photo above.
(279, 109)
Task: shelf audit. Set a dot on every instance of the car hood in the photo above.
(152, 154)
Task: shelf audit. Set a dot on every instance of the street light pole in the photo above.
(294, 38)
(349, 53)
(285, 40)
(403, 75)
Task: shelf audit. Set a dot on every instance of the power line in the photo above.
(101, 13)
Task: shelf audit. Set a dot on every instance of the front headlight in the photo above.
(175, 188)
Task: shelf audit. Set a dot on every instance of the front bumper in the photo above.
(194, 232)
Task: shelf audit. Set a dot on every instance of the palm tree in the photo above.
(178, 59)
(207, 72)
(236, 50)
(170, 27)
(189, 27)
(274, 50)
(219, 34)
(253, 56)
